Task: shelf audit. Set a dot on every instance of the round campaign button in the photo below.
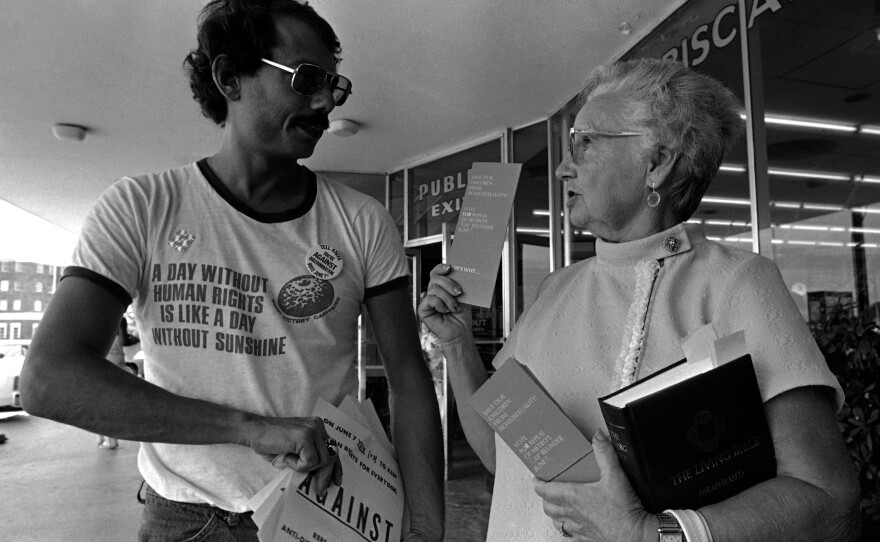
(324, 262)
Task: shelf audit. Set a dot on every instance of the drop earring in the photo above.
(653, 197)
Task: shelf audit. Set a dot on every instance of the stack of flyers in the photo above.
(369, 505)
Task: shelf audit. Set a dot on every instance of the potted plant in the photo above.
(851, 346)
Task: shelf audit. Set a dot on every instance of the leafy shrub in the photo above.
(851, 346)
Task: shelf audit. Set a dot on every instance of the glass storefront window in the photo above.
(433, 198)
(704, 34)
(820, 66)
(436, 189)
(532, 213)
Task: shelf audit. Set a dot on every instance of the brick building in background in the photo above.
(25, 290)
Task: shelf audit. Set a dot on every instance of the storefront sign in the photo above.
(720, 33)
(443, 194)
(436, 189)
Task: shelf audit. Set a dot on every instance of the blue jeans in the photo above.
(172, 521)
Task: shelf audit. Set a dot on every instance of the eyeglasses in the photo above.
(309, 79)
(579, 140)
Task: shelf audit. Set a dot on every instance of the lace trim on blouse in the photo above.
(627, 364)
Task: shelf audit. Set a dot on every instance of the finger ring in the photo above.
(563, 532)
(331, 446)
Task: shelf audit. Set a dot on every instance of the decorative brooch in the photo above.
(671, 243)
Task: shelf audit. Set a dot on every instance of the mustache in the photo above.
(319, 121)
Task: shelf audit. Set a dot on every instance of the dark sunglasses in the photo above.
(309, 79)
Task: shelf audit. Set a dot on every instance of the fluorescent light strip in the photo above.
(867, 179)
(819, 124)
(821, 207)
(726, 201)
(833, 229)
(543, 231)
(797, 243)
(543, 212)
(785, 204)
(862, 178)
(809, 228)
(820, 243)
(781, 204)
(538, 231)
(808, 174)
(804, 123)
(726, 223)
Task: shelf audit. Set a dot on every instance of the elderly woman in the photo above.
(647, 141)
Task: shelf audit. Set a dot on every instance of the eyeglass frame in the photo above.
(327, 76)
(572, 132)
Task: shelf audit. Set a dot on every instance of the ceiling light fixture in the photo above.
(70, 132)
(343, 127)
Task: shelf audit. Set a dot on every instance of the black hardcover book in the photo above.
(690, 441)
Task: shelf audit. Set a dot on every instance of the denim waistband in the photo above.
(230, 518)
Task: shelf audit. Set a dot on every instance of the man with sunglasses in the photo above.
(247, 273)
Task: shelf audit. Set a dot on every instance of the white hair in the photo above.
(683, 110)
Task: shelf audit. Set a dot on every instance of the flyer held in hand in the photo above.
(482, 225)
(527, 418)
(369, 505)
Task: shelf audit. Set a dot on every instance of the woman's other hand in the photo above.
(440, 310)
(605, 510)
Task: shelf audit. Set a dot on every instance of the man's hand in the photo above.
(301, 444)
(607, 510)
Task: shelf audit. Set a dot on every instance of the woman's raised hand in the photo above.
(440, 310)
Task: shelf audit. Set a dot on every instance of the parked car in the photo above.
(11, 361)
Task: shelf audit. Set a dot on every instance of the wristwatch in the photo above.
(670, 529)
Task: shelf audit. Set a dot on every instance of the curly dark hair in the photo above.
(244, 30)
